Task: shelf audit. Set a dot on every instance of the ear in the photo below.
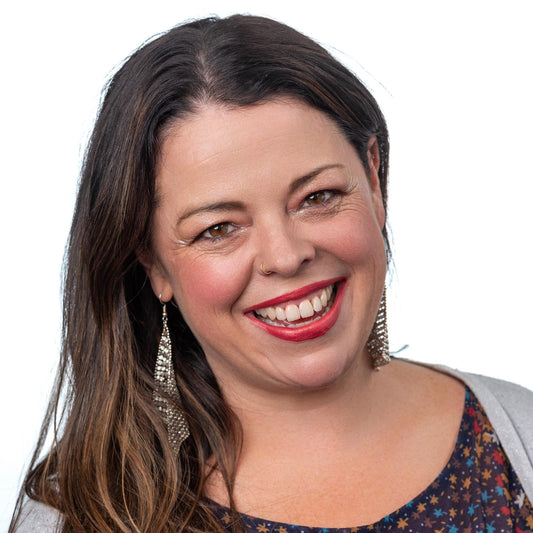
(372, 155)
(156, 274)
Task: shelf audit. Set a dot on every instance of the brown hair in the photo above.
(111, 467)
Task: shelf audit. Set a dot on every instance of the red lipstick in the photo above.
(294, 295)
(310, 331)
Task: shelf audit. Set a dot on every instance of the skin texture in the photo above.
(278, 184)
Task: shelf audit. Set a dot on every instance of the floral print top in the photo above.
(477, 492)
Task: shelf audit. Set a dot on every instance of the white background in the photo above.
(454, 80)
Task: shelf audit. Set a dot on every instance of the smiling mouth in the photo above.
(295, 315)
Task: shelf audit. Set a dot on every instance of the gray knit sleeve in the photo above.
(510, 411)
(35, 517)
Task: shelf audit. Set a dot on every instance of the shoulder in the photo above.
(502, 398)
(37, 517)
(507, 399)
(509, 408)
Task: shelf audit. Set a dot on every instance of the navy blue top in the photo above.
(478, 491)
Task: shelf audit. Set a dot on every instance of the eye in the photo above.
(318, 198)
(218, 231)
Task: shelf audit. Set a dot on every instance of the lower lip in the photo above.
(309, 331)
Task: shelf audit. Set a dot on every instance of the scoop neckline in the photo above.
(454, 458)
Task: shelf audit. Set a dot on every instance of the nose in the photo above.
(282, 249)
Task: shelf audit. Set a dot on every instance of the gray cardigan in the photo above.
(508, 406)
(510, 411)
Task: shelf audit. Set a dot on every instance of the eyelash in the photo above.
(329, 193)
(206, 235)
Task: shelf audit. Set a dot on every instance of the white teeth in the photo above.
(317, 304)
(292, 312)
(324, 298)
(306, 309)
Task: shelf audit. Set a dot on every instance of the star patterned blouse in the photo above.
(477, 492)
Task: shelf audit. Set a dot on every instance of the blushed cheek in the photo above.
(209, 286)
(354, 242)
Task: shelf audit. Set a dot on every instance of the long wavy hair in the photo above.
(110, 466)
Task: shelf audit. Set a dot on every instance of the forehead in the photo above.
(233, 145)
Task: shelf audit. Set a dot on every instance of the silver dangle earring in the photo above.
(166, 387)
(378, 342)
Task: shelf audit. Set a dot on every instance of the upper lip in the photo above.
(293, 295)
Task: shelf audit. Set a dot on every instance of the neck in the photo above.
(296, 421)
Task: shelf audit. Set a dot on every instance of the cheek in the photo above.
(354, 240)
(208, 284)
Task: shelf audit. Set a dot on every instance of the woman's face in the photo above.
(274, 186)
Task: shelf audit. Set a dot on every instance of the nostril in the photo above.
(282, 250)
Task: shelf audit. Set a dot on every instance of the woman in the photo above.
(225, 313)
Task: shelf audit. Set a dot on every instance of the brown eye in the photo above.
(317, 198)
(218, 230)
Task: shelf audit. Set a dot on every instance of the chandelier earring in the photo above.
(166, 394)
(378, 342)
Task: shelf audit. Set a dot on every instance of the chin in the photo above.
(317, 371)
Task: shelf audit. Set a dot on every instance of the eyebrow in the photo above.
(217, 206)
(300, 182)
(232, 206)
